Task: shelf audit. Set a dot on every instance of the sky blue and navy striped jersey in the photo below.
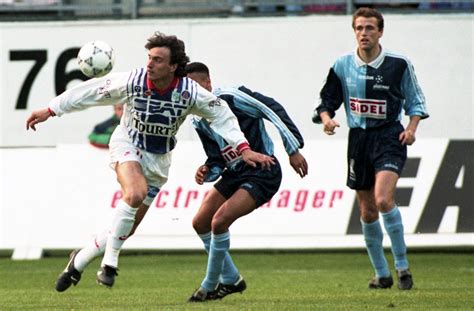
(373, 94)
(250, 109)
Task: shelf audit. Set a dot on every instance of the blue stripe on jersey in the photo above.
(250, 108)
(193, 97)
(257, 109)
(414, 98)
(128, 85)
(154, 119)
(373, 94)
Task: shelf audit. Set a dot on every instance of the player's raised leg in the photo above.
(79, 259)
(134, 187)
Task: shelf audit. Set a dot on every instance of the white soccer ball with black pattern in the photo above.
(96, 59)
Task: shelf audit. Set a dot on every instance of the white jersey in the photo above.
(152, 117)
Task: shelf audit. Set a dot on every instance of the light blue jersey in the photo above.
(373, 94)
(250, 108)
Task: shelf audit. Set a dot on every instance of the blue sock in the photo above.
(394, 226)
(229, 274)
(373, 236)
(220, 244)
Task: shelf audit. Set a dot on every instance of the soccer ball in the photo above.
(96, 59)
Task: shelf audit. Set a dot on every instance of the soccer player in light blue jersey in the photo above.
(241, 188)
(375, 86)
(157, 100)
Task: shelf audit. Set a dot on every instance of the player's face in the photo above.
(118, 110)
(367, 33)
(202, 79)
(158, 65)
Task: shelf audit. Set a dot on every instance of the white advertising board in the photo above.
(56, 191)
(58, 198)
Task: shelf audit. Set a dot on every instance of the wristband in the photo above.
(243, 147)
(51, 112)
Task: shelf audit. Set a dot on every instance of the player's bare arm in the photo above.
(407, 137)
(329, 124)
(252, 158)
(201, 174)
(38, 116)
(299, 164)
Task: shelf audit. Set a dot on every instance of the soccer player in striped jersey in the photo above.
(157, 100)
(242, 188)
(375, 85)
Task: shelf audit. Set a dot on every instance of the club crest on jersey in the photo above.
(378, 84)
(185, 95)
(175, 96)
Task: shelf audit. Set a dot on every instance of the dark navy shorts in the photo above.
(260, 183)
(373, 150)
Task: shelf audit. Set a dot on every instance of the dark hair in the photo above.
(367, 13)
(176, 47)
(196, 67)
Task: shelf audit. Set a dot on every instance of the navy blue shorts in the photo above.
(260, 183)
(373, 150)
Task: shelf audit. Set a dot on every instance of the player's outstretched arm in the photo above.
(299, 164)
(38, 116)
(252, 158)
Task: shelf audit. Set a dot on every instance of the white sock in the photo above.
(93, 249)
(121, 227)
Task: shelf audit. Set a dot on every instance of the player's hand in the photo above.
(252, 158)
(330, 126)
(201, 174)
(298, 162)
(407, 137)
(36, 117)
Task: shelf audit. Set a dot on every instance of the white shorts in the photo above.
(155, 166)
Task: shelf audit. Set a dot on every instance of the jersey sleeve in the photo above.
(214, 161)
(220, 118)
(415, 104)
(258, 105)
(331, 96)
(107, 90)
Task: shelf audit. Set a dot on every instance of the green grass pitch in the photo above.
(276, 281)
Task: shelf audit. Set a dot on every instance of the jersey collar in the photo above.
(375, 63)
(162, 92)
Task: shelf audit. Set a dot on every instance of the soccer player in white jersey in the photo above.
(157, 100)
(375, 86)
